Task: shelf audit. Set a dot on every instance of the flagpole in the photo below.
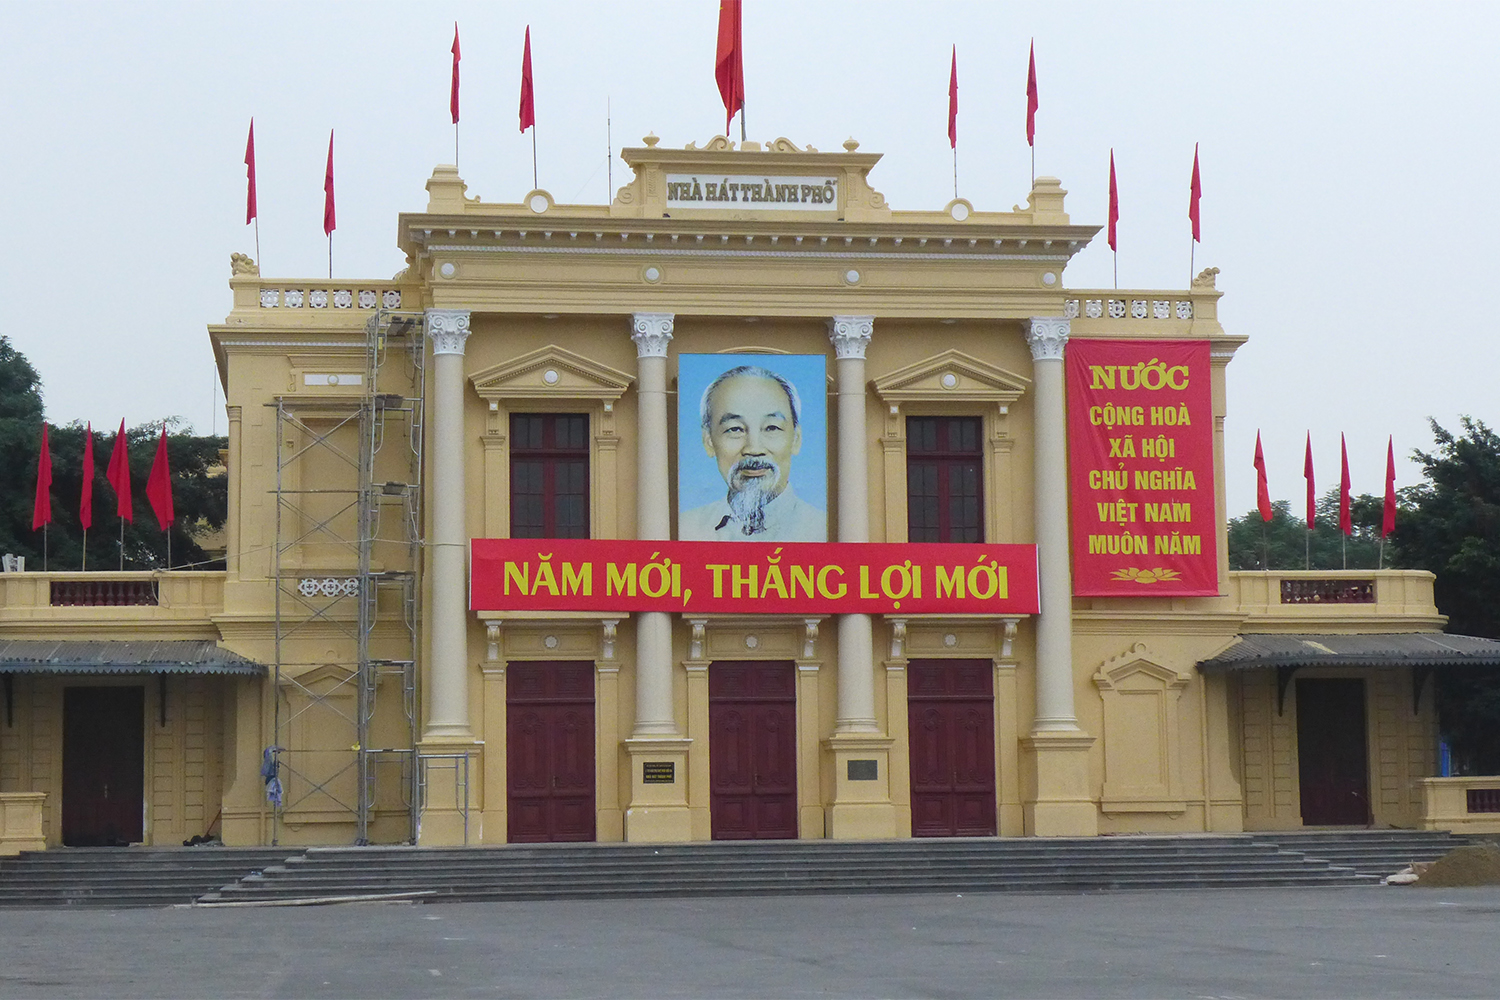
(122, 544)
(257, 243)
(742, 121)
(955, 172)
(1192, 260)
(330, 256)
(455, 144)
(44, 546)
(534, 184)
(609, 157)
(83, 565)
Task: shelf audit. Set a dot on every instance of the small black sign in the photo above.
(864, 770)
(660, 772)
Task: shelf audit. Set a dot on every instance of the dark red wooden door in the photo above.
(1332, 764)
(104, 766)
(549, 752)
(951, 716)
(752, 738)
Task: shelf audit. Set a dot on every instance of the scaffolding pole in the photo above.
(346, 569)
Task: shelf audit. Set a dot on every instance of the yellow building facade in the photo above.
(521, 376)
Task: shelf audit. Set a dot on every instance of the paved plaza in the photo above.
(1364, 942)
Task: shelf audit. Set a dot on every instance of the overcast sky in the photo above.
(1337, 140)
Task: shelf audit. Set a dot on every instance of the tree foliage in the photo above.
(1453, 529)
(199, 490)
(1284, 542)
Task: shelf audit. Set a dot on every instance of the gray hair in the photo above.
(752, 371)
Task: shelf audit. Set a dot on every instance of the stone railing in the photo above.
(1403, 597)
(252, 292)
(133, 596)
(1462, 805)
(21, 822)
(1143, 310)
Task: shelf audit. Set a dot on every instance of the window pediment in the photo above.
(1138, 659)
(550, 372)
(951, 375)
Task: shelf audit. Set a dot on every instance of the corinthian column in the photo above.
(1047, 338)
(850, 336)
(448, 693)
(652, 332)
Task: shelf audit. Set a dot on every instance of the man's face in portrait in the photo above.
(752, 436)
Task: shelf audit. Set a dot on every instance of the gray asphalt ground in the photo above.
(1366, 942)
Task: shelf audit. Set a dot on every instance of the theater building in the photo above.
(483, 576)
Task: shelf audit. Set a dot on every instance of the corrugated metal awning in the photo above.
(171, 656)
(1393, 649)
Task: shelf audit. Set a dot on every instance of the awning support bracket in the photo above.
(1419, 677)
(1283, 681)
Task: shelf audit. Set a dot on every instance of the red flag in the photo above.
(1388, 521)
(453, 93)
(1114, 202)
(953, 101)
(118, 474)
(159, 485)
(1307, 473)
(1262, 489)
(1031, 99)
(528, 102)
(250, 175)
(330, 223)
(41, 513)
(1346, 525)
(86, 497)
(729, 61)
(1195, 192)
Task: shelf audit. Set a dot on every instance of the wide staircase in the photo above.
(285, 876)
(127, 876)
(1367, 852)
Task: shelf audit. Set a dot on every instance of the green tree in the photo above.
(1283, 542)
(20, 437)
(1451, 526)
(199, 489)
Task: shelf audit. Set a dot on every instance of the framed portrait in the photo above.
(752, 447)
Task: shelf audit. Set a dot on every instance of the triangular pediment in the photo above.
(550, 372)
(951, 375)
(1138, 660)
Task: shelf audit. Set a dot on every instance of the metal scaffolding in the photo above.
(346, 567)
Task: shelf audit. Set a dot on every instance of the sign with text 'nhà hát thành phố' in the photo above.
(755, 192)
(794, 578)
(1141, 458)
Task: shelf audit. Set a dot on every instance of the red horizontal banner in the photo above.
(557, 574)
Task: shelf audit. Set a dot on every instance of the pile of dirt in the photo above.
(1473, 864)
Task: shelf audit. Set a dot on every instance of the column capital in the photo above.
(851, 335)
(651, 333)
(1047, 336)
(448, 328)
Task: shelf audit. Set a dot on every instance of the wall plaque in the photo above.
(658, 772)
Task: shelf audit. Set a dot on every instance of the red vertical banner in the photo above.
(1141, 464)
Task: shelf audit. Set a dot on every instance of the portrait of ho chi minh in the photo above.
(753, 425)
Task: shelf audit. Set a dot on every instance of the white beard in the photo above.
(748, 495)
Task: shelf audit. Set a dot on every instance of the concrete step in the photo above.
(153, 877)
